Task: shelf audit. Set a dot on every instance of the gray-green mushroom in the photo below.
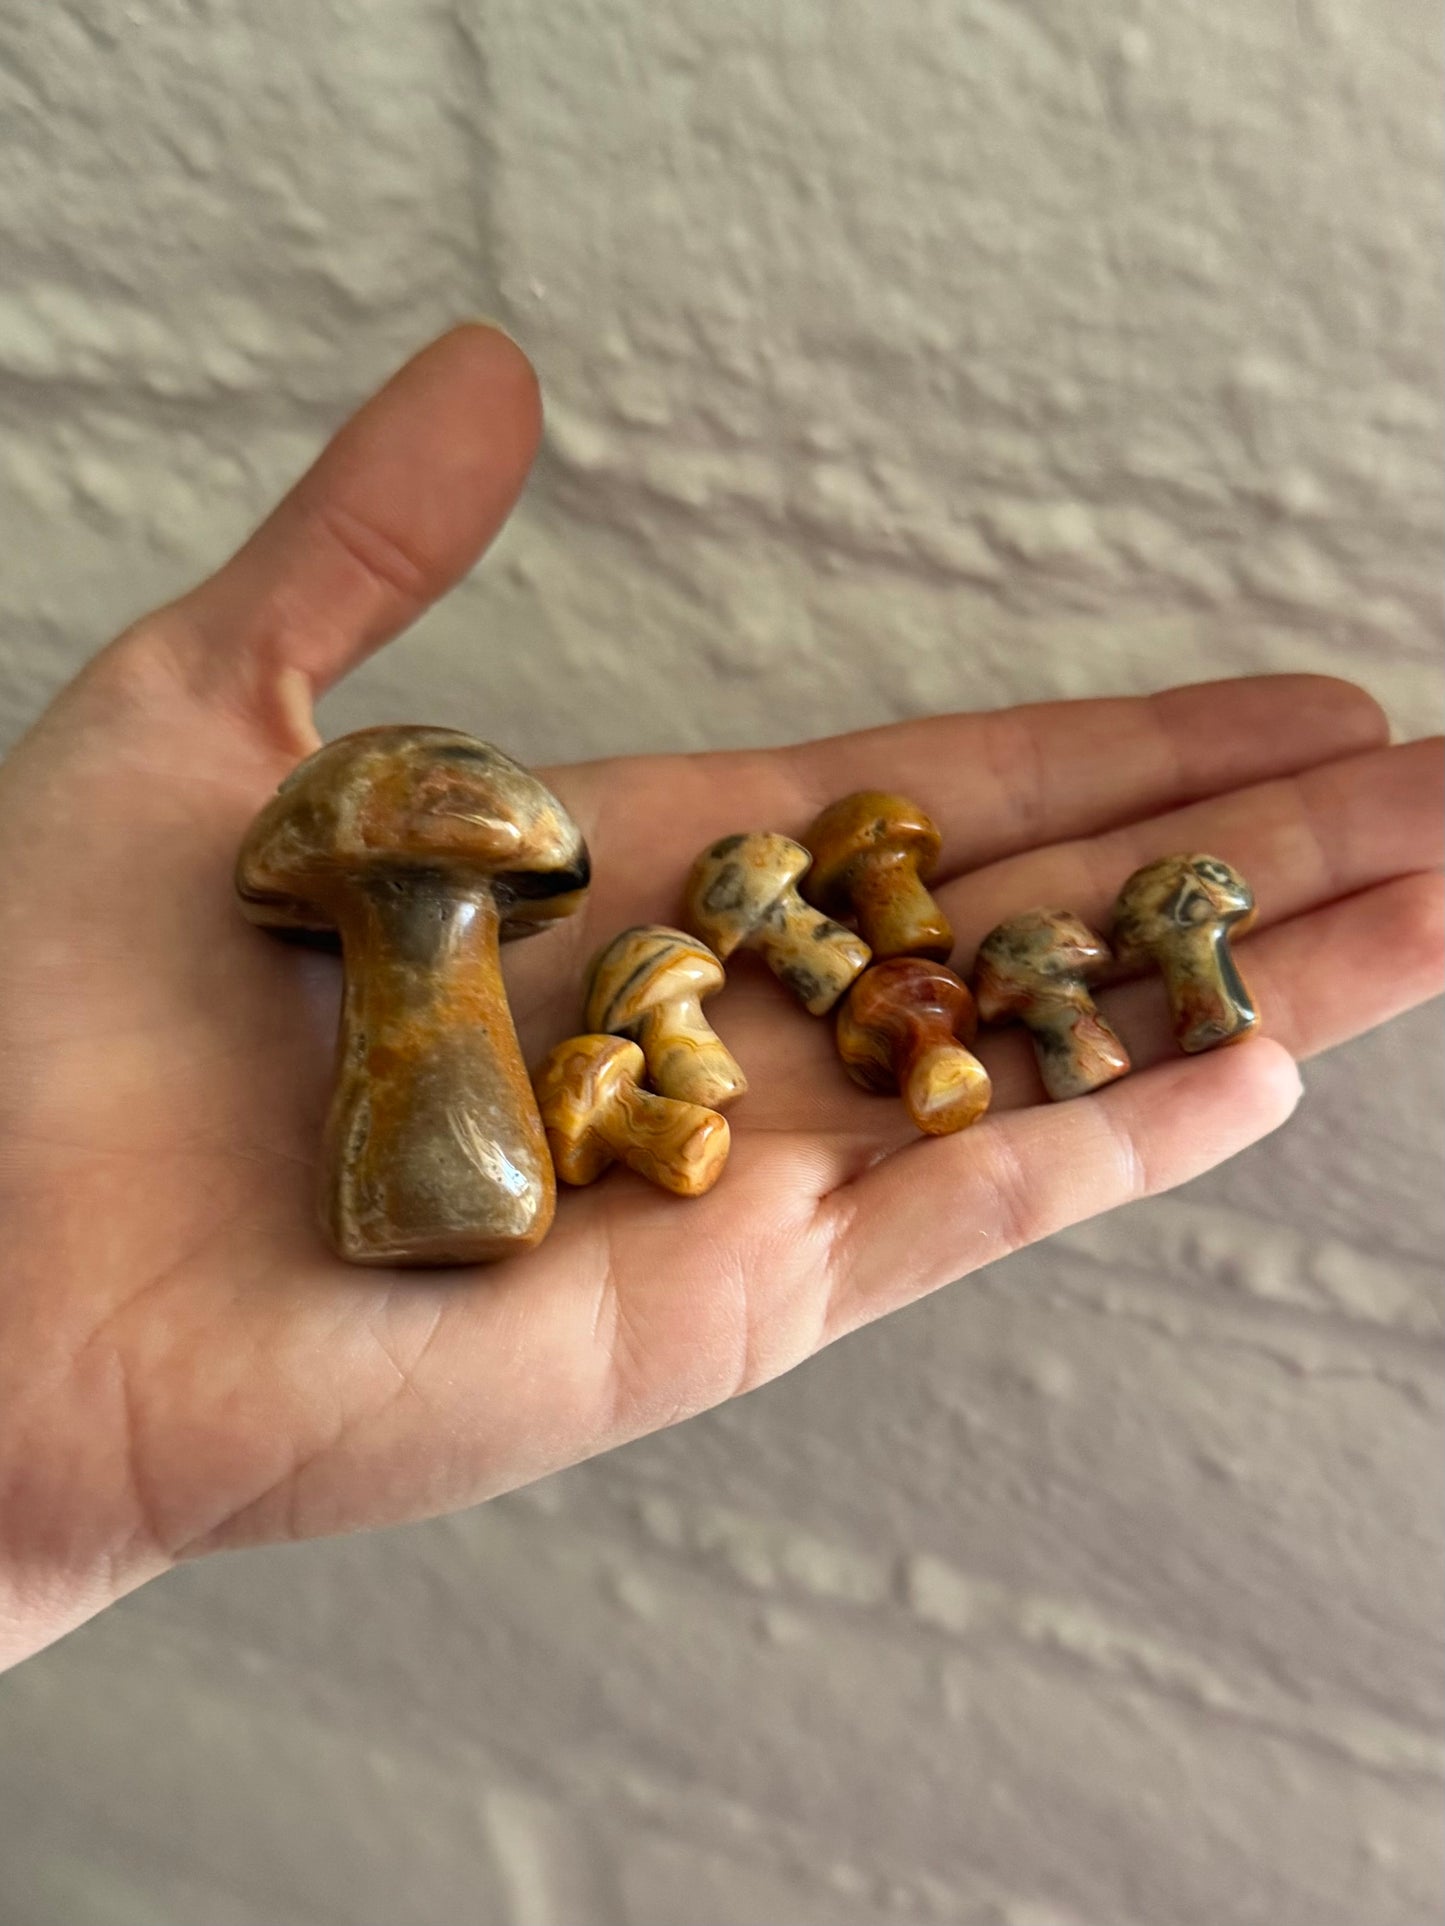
(1035, 969)
(1178, 915)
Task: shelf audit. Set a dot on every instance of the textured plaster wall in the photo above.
(897, 357)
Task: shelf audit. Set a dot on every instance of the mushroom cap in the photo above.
(864, 824)
(1173, 896)
(1029, 952)
(908, 992)
(642, 967)
(406, 799)
(735, 882)
(584, 1074)
(576, 1083)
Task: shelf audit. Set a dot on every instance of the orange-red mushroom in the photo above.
(905, 1027)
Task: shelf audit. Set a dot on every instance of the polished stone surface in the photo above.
(904, 1028)
(742, 893)
(423, 849)
(872, 854)
(597, 1113)
(649, 985)
(1178, 915)
(1034, 970)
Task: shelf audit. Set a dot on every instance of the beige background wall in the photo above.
(897, 357)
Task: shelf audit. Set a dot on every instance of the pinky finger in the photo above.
(1353, 964)
(942, 1207)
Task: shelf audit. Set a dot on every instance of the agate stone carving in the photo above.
(904, 1027)
(419, 851)
(872, 854)
(597, 1113)
(422, 849)
(1179, 914)
(648, 985)
(1034, 969)
(743, 894)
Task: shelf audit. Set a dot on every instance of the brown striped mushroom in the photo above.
(648, 985)
(904, 1028)
(596, 1114)
(872, 854)
(422, 849)
(742, 893)
(1034, 969)
(1179, 914)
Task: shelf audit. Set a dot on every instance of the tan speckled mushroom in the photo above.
(742, 893)
(597, 1113)
(648, 985)
(1033, 970)
(422, 848)
(1179, 914)
(872, 854)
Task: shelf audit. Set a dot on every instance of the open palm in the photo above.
(182, 1363)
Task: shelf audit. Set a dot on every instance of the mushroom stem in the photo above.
(1208, 1000)
(816, 957)
(896, 914)
(679, 1146)
(434, 1149)
(1077, 1051)
(944, 1086)
(686, 1057)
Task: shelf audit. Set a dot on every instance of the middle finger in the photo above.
(1300, 841)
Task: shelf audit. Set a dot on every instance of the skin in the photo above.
(184, 1366)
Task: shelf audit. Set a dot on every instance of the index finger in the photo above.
(996, 783)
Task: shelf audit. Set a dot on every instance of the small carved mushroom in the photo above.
(872, 854)
(1179, 914)
(596, 1112)
(648, 985)
(742, 894)
(904, 1028)
(422, 848)
(1033, 970)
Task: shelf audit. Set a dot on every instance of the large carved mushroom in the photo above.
(422, 849)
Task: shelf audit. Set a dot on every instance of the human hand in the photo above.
(184, 1366)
